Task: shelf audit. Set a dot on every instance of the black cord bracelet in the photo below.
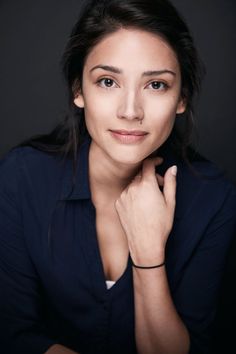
(149, 267)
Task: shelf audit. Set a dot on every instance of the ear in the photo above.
(79, 100)
(181, 107)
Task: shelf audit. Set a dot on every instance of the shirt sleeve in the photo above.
(198, 293)
(21, 321)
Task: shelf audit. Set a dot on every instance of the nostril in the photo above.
(131, 115)
(130, 107)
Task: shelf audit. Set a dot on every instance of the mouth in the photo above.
(130, 132)
(129, 136)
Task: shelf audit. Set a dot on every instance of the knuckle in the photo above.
(123, 195)
(117, 203)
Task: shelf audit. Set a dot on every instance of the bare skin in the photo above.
(143, 96)
(156, 319)
(59, 349)
(114, 250)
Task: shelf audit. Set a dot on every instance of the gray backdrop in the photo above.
(32, 39)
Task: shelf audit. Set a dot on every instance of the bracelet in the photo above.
(149, 267)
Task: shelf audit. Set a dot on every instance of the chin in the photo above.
(128, 158)
(133, 154)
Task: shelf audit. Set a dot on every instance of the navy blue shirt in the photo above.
(52, 284)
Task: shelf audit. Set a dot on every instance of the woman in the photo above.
(99, 252)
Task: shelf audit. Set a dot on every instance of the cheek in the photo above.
(98, 107)
(97, 117)
(163, 113)
(163, 119)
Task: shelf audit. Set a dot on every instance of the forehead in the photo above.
(133, 48)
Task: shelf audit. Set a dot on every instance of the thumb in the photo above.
(169, 189)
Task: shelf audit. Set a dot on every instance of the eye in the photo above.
(158, 85)
(106, 82)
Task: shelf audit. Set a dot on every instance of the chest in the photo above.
(112, 243)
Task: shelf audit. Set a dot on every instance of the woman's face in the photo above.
(130, 94)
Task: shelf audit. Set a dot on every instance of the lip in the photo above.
(129, 132)
(128, 136)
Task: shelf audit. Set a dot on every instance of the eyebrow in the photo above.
(116, 70)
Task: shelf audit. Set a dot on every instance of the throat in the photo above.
(107, 174)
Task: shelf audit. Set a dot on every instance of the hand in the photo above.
(59, 349)
(146, 213)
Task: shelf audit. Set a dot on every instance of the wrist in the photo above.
(147, 266)
(147, 260)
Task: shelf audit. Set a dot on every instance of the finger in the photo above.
(160, 180)
(138, 177)
(149, 165)
(169, 189)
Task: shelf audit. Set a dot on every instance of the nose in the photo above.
(130, 107)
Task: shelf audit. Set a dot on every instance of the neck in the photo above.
(107, 177)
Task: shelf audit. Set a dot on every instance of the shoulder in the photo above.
(206, 175)
(30, 168)
(204, 189)
(27, 158)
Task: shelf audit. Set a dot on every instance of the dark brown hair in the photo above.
(103, 17)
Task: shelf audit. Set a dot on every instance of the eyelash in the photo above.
(99, 82)
(156, 81)
(165, 86)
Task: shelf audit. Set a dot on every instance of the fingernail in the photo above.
(174, 170)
